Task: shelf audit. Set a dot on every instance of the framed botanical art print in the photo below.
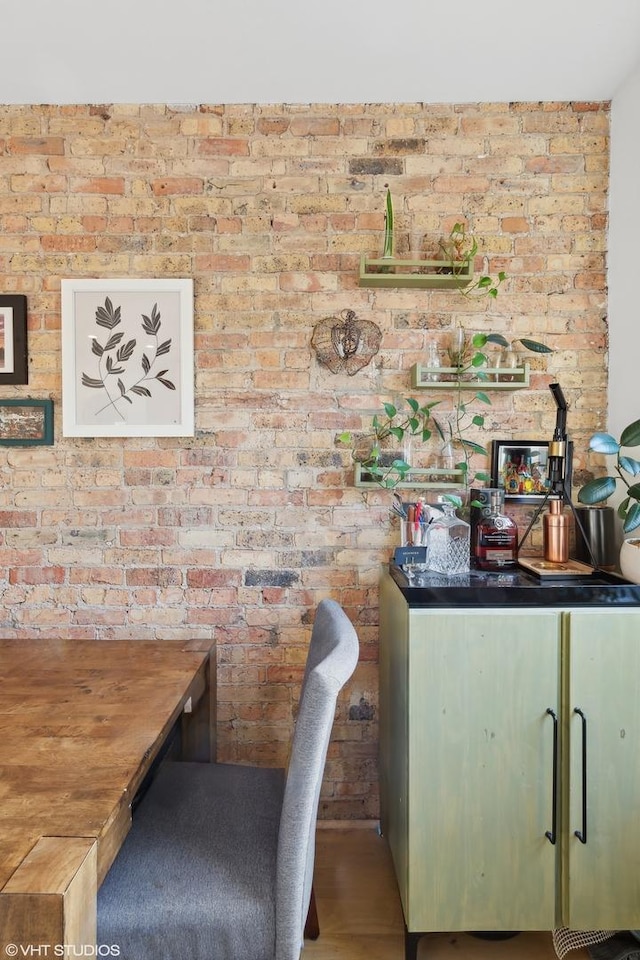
(127, 358)
(13, 339)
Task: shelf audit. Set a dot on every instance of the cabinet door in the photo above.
(481, 769)
(394, 751)
(602, 885)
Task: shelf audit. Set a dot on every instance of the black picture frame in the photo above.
(14, 367)
(533, 456)
(26, 423)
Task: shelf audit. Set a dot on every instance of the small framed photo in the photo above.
(13, 339)
(26, 423)
(127, 358)
(521, 468)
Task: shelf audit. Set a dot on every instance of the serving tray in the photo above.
(548, 568)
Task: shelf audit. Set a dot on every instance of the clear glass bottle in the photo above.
(449, 542)
(510, 360)
(433, 362)
(496, 546)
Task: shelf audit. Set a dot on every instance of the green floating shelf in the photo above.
(518, 378)
(389, 272)
(433, 483)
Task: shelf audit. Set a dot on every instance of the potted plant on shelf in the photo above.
(379, 465)
(458, 253)
(601, 488)
(452, 267)
(467, 357)
(422, 421)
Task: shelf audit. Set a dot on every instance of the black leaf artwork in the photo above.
(151, 325)
(111, 369)
(125, 352)
(106, 316)
(90, 381)
(113, 341)
(110, 365)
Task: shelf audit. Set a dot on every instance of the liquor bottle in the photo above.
(448, 542)
(496, 546)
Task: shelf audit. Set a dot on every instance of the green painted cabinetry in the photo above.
(468, 699)
(601, 885)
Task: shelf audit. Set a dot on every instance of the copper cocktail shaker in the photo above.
(555, 533)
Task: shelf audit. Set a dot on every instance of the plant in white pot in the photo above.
(626, 470)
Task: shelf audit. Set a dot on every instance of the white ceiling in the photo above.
(329, 51)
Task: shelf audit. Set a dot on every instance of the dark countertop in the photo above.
(516, 588)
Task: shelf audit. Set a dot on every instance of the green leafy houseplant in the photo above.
(413, 421)
(456, 254)
(467, 354)
(420, 421)
(459, 251)
(471, 359)
(595, 491)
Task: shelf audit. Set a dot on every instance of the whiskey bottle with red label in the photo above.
(496, 546)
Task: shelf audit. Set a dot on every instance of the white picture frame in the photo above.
(127, 358)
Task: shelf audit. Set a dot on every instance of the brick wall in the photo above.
(236, 534)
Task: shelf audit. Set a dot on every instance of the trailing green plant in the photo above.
(421, 420)
(470, 355)
(412, 421)
(595, 491)
(459, 251)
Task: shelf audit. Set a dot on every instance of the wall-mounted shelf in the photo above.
(428, 478)
(519, 377)
(390, 272)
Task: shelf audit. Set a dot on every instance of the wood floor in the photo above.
(360, 915)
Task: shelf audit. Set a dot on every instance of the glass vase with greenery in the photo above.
(422, 421)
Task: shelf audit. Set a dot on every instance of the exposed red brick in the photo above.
(18, 518)
(177, 185)
(272, 126)
(43, 146)
(223, 147)
(233, 536)
(102, 185)
(34, 575)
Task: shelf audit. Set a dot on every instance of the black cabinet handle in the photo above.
(551, 834)
(582, 834)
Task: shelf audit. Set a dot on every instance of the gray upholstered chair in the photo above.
(218, 863)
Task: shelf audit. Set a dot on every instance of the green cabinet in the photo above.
(481, 765)
(601, 879)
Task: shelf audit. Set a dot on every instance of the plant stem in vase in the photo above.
(459, 355)
(510, 361)
(387, 250)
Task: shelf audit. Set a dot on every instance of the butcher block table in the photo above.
(81, 722)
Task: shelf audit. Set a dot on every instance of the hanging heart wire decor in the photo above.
(345, 344)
